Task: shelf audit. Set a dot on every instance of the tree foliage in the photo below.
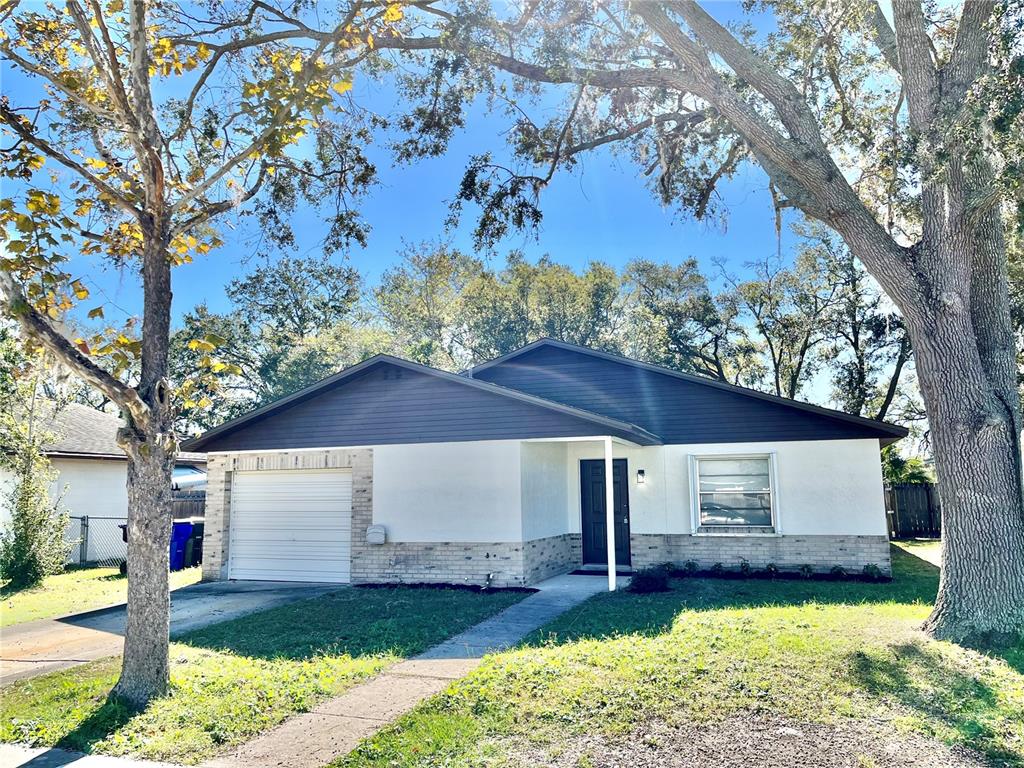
(146, 124)
(32, 544)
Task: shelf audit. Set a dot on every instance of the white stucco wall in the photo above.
(6, 486)
(92, 487)
(824, 486)
(508, 491)
(448, 491)
(545, 492)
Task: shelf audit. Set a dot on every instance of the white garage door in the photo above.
(292, 525)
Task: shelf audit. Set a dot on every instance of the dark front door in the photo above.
(595, 531)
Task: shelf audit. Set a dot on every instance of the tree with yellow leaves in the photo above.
(149, 123)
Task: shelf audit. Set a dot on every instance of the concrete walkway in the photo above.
(336, 726)
(37, 647)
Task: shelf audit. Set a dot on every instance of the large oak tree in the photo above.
(903, 137)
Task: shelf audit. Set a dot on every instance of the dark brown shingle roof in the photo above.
(83, 431)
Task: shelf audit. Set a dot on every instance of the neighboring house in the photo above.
(92, 475)
(393, 471)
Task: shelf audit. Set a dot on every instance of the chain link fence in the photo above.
(96, 540)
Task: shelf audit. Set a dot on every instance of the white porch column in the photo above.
(609, 509)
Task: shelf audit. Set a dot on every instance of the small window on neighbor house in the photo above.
(735, 491)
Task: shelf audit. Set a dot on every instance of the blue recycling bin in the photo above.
(181, 532)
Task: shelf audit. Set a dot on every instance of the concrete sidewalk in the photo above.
(37, 647)
(336, 726)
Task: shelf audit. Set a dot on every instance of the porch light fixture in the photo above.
(641, 477)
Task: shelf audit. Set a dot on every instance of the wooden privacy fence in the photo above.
(913, 511)
(188, 504)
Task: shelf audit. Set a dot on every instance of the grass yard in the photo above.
(830, 657)
(230, 681)
(74, 591)
(929, 550)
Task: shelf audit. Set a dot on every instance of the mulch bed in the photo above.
(754, 742)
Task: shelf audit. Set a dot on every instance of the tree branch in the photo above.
(214, 209)
(709, 187)
(275, 123)
(885, 37)
(969, 56)
(17, 124)
(783, 95)
(52, 79)
(920, 77)
(679, 117)
(37, 326)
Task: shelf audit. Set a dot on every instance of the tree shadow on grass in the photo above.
(109, 717)
(359, 622)
(928, 683)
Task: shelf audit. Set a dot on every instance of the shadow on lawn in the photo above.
(107, 718)
(363, 622)
(925, 681)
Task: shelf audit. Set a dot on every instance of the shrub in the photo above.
(690, 567)
(771, 570)
(873, 573)
(838, 572)
(717, 569)
(745, 569)
(649, 580)
(33, 545)
(806, 571)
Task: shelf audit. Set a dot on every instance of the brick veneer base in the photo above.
(544, 558)
(787, 552)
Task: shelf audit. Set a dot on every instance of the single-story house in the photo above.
(548, 459)
(92, 476)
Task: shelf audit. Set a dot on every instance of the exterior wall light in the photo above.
(641, 477)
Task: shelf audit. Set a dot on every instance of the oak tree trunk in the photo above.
(974, 417)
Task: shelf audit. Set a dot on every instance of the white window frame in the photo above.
(773, 494)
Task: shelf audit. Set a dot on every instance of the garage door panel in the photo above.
(321, 553)
(293, 525)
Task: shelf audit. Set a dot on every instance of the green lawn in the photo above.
(233, 680)
(74, 591)
(926, 549)
(819, 652)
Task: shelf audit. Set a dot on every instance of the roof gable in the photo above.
(680, 408)
(388, 400)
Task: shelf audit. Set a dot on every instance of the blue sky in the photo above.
(601, 211)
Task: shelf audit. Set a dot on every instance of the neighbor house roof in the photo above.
(81, 431)
(678, 407)
(432, 406)
(546, 389)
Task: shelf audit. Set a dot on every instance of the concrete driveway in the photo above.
(37, 647)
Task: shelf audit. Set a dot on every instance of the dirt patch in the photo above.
(753, 742)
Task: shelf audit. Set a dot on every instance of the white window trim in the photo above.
(773, 478)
